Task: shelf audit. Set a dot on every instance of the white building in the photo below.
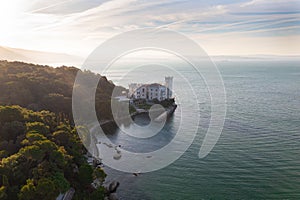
(151, 91)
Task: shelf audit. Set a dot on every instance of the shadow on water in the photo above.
(130, 182)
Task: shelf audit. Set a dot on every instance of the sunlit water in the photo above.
(257, 155)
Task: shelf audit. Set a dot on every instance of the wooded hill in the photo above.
(40, 87)
(41, 154)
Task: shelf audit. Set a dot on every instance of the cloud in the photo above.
(78, 26)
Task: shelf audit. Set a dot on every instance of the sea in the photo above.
(258, 153)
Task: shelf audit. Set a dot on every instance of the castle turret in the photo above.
(169, 86)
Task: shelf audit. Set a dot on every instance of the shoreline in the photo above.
(112, 193)
(169, 111)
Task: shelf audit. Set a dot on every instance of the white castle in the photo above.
(152, 91)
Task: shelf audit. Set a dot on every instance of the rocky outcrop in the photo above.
(112, 196)
(111, 191)
(113, 186)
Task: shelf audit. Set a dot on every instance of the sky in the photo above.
(220, 27)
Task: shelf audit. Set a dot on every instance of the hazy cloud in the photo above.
(78, 26)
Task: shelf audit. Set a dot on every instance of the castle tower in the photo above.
(169, 86)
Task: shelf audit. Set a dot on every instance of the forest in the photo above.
(40, 151)
(40, 87)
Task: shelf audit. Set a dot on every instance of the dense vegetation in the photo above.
(39, 87)
(42, 156)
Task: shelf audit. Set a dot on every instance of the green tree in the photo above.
(61, 184)
(10, 113)
(5, 181)
(33, 136)
(43, 162)
(10, 130)
(3, 194)
(62, 137)
(99, 173)
(85, 175)
(38, 127)
(46, 189)
(98, 194)
(33, 152)
(28, 191)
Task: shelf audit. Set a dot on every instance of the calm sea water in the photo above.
(257, 155)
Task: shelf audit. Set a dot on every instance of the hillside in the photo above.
(24, 55)
(40, 87)
(41, 156)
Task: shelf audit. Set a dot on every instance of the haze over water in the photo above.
(257, 155)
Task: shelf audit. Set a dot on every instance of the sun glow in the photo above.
(9, 9)
(9, 13)
(66, 26)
